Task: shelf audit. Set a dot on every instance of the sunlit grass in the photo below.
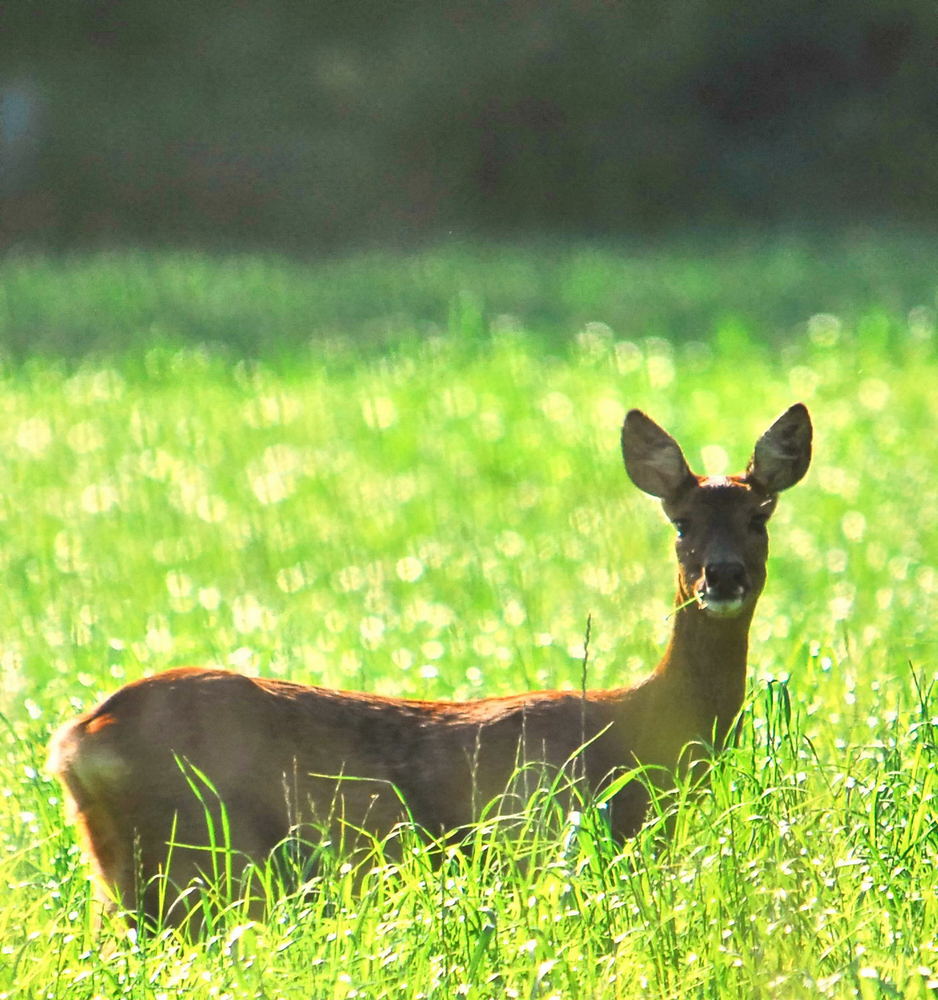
(440, 521)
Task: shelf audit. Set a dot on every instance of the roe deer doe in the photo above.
(279, 754)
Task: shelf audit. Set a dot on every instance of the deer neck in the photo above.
(704, 668)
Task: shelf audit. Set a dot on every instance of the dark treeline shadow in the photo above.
(315, 129)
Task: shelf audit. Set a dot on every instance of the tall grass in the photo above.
(440, 520)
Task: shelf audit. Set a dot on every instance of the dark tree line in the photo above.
(312, 127)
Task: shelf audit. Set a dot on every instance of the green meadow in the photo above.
(403, 475)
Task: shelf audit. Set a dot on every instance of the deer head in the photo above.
(722, 542)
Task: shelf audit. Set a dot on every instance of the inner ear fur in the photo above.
(653, 459)
(783, 453)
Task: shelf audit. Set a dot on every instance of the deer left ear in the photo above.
(783, 453)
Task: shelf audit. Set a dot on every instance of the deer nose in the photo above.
(726, 580)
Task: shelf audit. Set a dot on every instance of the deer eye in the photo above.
(682, 526)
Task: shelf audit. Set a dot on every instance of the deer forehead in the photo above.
(720, 497)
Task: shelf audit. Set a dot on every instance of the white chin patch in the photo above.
(720, 609)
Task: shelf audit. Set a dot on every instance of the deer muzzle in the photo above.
(723, 588)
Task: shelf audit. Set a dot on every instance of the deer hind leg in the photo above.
(131, 834)
(139, 875)
(108, 844)
(93, 778)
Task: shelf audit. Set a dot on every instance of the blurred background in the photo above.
(321, 128)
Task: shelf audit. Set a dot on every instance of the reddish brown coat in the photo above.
(286, 758)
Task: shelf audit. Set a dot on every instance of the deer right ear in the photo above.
(653, 459)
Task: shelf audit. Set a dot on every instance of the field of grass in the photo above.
(404, 476)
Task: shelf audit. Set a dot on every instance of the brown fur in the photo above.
(288, 758)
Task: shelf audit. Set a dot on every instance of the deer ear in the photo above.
(783, 453)
(653, 459)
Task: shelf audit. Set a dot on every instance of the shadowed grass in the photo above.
(758, 287)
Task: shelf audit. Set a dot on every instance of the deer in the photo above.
(290, 760)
